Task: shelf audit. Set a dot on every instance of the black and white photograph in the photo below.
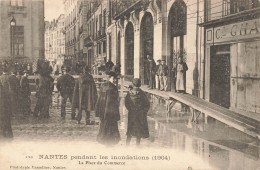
(130, 84)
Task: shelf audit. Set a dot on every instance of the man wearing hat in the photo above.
(163, 72)
(137, 105)
(5, 103)
(107, 109)
(45, 86)
(157, 75)
(14, 88)
(65, 85)
(25, 94)
(84, 95)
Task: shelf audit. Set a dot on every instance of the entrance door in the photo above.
(220, 75)
(146, 45)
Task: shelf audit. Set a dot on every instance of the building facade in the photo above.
(24, 41)
(55, 40)
(163, 29)
(232, 42)
(76, 30)
(96, 41)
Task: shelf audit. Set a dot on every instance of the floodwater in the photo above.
(219, 145)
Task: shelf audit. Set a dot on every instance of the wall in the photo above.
(32, 18)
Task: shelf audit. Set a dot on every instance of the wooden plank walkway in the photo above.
(248, 125)
(242, 122)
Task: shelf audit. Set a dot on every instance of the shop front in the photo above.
(233, 65)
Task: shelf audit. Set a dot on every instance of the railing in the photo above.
(218, 10)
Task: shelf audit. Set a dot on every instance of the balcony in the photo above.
(230, 7)
(230, 11)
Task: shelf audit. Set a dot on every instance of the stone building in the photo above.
(76, 30)
(25, 40)
(232, 62)
(55, 40)
(164, 29)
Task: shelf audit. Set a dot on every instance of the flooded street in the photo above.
(220, 146)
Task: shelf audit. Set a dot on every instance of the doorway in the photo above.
(129, 50)
(220, 75)
(147, 31)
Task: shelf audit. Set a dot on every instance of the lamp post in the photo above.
(12, 25)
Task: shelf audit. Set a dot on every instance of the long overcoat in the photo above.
(85, 93)
(5, 109)
(107, 109)
(14, 87)
(137, 105)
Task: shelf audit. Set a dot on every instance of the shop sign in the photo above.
(233, 32)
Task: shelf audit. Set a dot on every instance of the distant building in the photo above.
(25, 40)
(97, 23)
(76, 30)
(55, 40)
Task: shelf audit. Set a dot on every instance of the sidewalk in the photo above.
(248, 123)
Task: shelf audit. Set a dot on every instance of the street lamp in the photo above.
(12, 24)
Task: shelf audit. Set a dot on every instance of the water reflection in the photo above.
(221, 146)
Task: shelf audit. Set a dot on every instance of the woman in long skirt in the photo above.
(107, 109)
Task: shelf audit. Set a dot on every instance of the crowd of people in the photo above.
(157, 74)
(82, 93)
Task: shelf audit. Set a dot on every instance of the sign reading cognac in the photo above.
(241, 30)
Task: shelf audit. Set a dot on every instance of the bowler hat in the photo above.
(137, 82)
(111, 74)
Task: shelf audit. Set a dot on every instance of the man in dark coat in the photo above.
(25, 93)
(84, 95)
(137, 105)
(152, 70)
(14, 87)
(44, 94)
(5, 103)
(107, 109)
(65, 85)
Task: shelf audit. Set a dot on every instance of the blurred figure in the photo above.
(109, 65)
(25, 93)
(5, 103)
(164, 71)
(14, 87)
(65, 85)
(84, 96)
(107, 109)
(181, 76)
(157, 75)
(44, 93)
(152, 70)
(117, 69)
(137, 105)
